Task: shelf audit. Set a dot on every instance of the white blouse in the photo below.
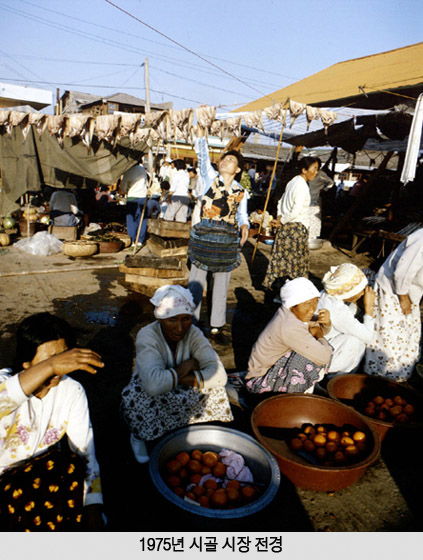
(295, 202)
(29, 426)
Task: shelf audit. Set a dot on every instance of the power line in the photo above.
(185, 48)
(151, 41)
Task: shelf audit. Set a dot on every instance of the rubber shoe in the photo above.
(139, 449)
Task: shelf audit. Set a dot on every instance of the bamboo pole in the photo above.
(270, 185)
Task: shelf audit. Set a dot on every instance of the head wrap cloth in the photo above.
(344, 281)
(170, 300)
(298, 291)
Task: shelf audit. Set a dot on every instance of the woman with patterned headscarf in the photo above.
(345, 286)
(178, 378)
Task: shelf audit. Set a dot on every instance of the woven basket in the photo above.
(79, 248)
(125, 238)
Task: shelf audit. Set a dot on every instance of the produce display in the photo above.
(211, 479)
(330, 446)
(395, 409)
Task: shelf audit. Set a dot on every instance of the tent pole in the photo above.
(270, 186)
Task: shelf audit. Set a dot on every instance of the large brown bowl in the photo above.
(282, 414)
(357, 389)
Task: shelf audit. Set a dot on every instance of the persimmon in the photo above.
(331, 447)
(205, 470)
(173, 480)
(173, 466)
(248, 492)
(296, 444)
(183, 458)
(233, 484)
(179, 491)
(183, 473)
(210, 458)
(219, 498)
(211, 483)
(194, 466)
(204, 501)
(198, 490)
(233, 494)
(195, 478)
(196, 454)
(219, 469)
(190, 495)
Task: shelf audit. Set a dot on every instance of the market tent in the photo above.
(40, 160)
(377, 81)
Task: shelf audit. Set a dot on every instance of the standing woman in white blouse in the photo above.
(290, 253)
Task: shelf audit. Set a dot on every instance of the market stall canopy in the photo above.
(378, 81)
(38, 154)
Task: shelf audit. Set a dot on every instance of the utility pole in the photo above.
(147, 109)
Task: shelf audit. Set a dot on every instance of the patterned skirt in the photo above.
(150, 417)
(292, 373)
(45, 493)
(290, 255)
(395, 348)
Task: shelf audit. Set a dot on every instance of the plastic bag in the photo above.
(41, 244)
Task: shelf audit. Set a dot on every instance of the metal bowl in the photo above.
(356, 389)
(315, 243)
(262, 464)
(286, 412)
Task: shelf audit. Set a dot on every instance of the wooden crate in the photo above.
(152, 272)
(165, 228)
(167, 247)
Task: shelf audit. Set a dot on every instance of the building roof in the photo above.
(383, 77)
(76, 100)
(12, 95)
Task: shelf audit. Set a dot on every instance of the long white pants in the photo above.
(220, 284)
(347, 355)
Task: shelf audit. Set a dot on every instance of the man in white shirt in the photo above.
(134, 185)
(177, 209)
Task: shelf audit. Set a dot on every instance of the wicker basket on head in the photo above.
(79, 248)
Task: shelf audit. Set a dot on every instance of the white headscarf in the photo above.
(298, 291)
(344, 281)
(170, 300)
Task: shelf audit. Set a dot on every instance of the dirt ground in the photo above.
(91, 295)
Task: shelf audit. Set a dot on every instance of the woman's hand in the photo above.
(405, 303)
(184, 370)
(244, 234)
(369, 298)
(323, 318)
(48, 372)
(315, 330)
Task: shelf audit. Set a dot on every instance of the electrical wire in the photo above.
(186, 48)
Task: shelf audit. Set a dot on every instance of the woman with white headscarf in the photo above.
(345, 286)
(178, 378)
(291, 355)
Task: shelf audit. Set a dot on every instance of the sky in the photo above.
(216, 52)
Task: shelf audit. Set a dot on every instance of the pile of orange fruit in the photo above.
(394, 409)
(185, 475)
(330, 446)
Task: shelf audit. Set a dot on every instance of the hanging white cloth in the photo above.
(413, 144)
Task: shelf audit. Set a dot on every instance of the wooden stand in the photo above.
(162, 261)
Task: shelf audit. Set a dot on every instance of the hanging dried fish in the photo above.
(218, 128)
(163, 127)
(328, 118)
(295, 110)
(15, 118)
(181, 123)
(152, 118)
(141, 135)
(106, 127)
(274, 112)
(312, 113)
(254, 119)
(233, 126)
(129, 122)
(39, 120)
(4, 117)
(81, 126)
(56, 126)
(153, 138)
(205, 115)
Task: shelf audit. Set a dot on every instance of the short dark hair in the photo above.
(179, 164)
(36, 330)
(307, 161)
